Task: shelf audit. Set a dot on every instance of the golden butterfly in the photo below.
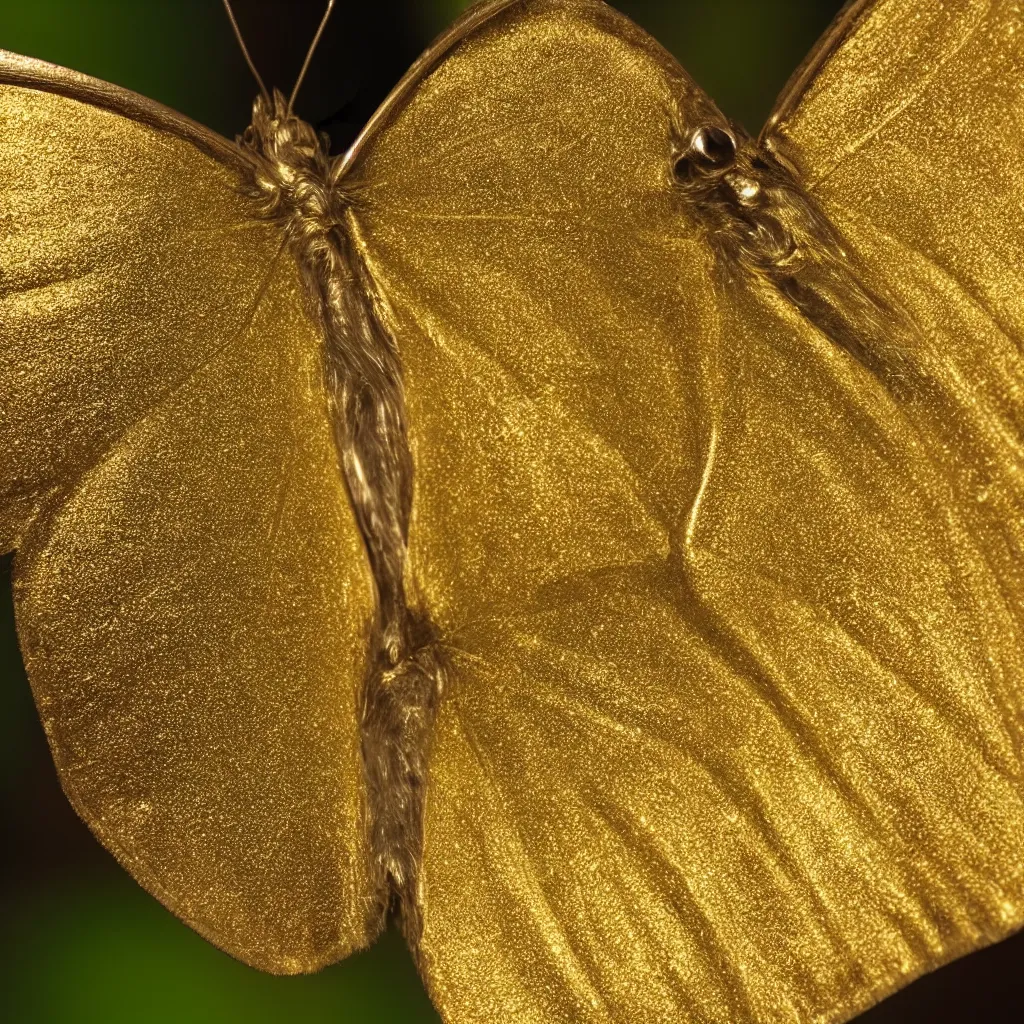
(589, 530)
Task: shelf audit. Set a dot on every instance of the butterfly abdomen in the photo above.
(292, 179)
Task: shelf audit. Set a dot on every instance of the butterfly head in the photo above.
(291, 166)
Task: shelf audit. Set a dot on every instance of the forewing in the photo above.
(519, 217)
(730, 727)
(190, 589)
(907, 125)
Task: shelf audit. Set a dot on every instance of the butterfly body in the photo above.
(594, 529)
(296, 184)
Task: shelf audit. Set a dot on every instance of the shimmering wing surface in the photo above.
(190, 588)
(731, 725)
(908, 126)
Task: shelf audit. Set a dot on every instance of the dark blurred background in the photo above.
(79, 941)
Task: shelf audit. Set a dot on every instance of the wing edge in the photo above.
(465, 25)
(32, 73)
(843, 25)
(471, 20)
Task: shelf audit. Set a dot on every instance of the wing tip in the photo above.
(472, 19)
(281, 958)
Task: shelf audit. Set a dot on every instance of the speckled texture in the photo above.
(729, 610)
(192, 596)
(732, 725)
(927, 183)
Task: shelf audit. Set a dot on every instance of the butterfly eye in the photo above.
(712, 148)
(683, 169)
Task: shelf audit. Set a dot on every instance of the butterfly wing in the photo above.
(921, 169)
(730, 730)
(190, 587)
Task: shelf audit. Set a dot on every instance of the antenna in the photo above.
(245, 50)
(309, 55)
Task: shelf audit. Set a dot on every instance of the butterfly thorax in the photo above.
(765, 225)
(291, 173)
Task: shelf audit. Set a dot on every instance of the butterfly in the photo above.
(582, 529)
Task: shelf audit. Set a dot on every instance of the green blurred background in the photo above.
(79, 941)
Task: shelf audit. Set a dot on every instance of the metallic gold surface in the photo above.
(925, 181)
(731, 730)
(190, 587)
(730, 613)
(31, 73)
